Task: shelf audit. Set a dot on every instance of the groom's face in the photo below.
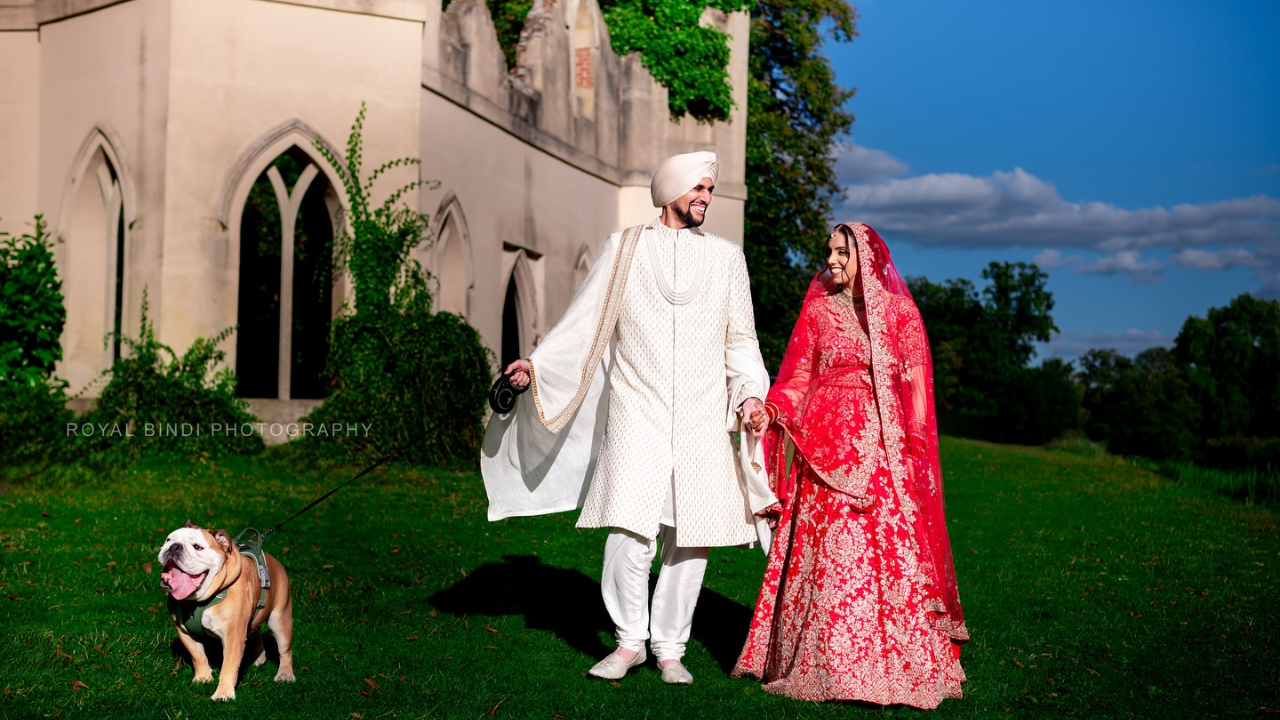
(691, 207)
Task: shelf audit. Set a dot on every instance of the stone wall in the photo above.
(138, 128)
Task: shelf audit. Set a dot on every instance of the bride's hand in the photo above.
(770, 514)
(754, 417)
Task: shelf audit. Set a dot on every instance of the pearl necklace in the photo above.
(684, 296)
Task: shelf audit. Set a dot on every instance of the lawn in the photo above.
(1091, 588)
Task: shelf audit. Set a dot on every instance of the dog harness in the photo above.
(191, 612)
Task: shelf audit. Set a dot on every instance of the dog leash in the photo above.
(262, 536)
(253, 547)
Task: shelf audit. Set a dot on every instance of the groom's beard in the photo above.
(686, 216)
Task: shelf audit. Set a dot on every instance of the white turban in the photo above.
(679, 174)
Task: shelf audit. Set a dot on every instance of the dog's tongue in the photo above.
(181, 583)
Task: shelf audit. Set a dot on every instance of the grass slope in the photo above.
(1092, 589)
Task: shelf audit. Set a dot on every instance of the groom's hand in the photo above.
(519, 372)
(754, 417)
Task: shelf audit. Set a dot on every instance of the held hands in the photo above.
(519, 371)
(770, 515)
(754, 417)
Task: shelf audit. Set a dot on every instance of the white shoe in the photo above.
(674, 673)
(614, 667)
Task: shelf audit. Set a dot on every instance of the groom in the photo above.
(635, 392)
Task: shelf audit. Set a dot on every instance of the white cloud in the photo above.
(1129, 342)
(856, 165)
(1197, 259)
(1125, 262)
(1018, 209)
(1049, 259)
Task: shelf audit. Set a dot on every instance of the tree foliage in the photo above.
(417, 378)
(1039, 404)
(1232, 359)
(1139, 406)
(983, 340)
(795, 110)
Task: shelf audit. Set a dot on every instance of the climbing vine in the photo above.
(691, 61)
(416, 379)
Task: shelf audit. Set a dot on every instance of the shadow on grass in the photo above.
(213, 652)
(567, 603)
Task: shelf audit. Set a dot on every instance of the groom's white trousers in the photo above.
(625, 585)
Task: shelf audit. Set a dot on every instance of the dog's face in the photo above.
(192, 557)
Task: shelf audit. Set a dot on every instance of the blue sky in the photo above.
(1131, 148)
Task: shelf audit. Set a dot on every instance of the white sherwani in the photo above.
(626, 422)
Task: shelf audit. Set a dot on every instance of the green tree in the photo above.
(1232, 359)
(795, 110)
(1040, 403)
(1141, 406)
(950, 309)
(983, 340)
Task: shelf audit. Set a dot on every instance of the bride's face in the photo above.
(842, 259)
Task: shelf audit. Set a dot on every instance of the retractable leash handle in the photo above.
(502, 396)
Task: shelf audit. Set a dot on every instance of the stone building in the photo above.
(170, 145)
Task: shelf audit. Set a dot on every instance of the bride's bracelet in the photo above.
(772, 411)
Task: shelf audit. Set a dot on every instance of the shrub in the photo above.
(1244, 453)
(31, 310)
(418, 379)
(156, 401)
(32, 401)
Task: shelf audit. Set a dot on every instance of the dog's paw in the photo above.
(262, 660)
(220, 695)
(285, 677)
(202, 678)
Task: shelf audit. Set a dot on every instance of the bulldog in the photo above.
(207, 577)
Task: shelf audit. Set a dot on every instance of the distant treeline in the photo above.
(1214, 397)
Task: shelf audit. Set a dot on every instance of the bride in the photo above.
(859, 599)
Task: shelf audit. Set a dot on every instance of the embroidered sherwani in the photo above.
(624, 424)
(669, 396)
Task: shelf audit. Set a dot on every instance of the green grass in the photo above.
(1092, 588)
(1251, 485)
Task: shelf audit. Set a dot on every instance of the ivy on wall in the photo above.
(689, 60)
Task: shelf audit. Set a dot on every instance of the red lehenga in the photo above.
(859, 599)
